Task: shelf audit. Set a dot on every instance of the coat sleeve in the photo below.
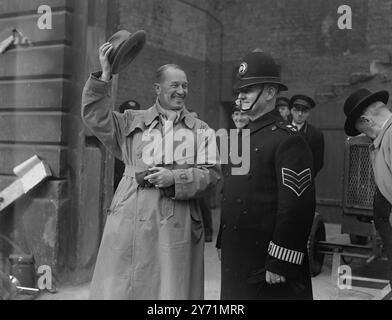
(97, 114)
(319, 153)
(296, 205)
(190, 183)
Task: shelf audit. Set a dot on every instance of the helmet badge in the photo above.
(243, 68)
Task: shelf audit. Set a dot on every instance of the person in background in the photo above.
(367, 112)
(301, 106)
(283, 107)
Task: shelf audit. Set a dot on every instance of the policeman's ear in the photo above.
(157, 88)
(271, 92)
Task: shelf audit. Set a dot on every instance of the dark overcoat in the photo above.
(315, 138)
(267, 215)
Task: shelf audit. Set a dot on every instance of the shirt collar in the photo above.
(299, 126)
(377, 141)
(153, 114)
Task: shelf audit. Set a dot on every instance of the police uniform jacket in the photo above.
(267, 215)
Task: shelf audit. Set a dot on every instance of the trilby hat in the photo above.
(126, 47)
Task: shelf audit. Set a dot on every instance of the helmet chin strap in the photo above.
(253, 104)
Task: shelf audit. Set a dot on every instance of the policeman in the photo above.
(283, 107)
(301, 106)
(267, 214)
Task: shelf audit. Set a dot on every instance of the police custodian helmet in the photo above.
(258, 67)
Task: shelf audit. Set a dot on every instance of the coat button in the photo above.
(239, 201)
(245, 212)
(224, 199)
(235, 228)
(257, 150)
(224, 226)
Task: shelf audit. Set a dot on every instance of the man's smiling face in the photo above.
(173, 89)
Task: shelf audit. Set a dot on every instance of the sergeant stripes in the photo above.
(297, 182)
(284, 254)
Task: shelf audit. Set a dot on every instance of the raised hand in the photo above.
(104, 52)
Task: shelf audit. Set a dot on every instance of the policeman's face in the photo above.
(173, 89)
(300, 114)
(240, 119)
(248, 95)
(284, 112)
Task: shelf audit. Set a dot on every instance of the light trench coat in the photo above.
(152, 245)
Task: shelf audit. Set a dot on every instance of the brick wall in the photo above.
(181, 32)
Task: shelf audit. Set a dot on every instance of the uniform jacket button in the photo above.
(235, 228)
(239, 201)
(224, 226)
(245, 212)
(257, 150)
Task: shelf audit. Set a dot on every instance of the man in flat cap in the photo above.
(153, 242)
(301, 106)
(283, 107)
(367, 112)
(267, 214)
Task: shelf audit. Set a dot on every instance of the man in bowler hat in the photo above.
(367, 112)
(267, 214)
(152, 246)
(301, 106)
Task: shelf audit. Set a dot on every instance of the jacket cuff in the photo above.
(97, 86)
(183, 179)
(284, 254)
(284, 261)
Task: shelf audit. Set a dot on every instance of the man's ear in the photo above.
(272, 92)
(157, 88)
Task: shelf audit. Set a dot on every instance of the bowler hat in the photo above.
(126, 47)
(303, 100)
(282, 102)
(356, 103)
(258, 67)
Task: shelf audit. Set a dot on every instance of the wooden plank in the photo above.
(19, 6)
(32, 127)
(54, 156)
(51, 189)
(33, 94)
(36, 61)
(10, 194)
(61, 27)
(29, 174)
